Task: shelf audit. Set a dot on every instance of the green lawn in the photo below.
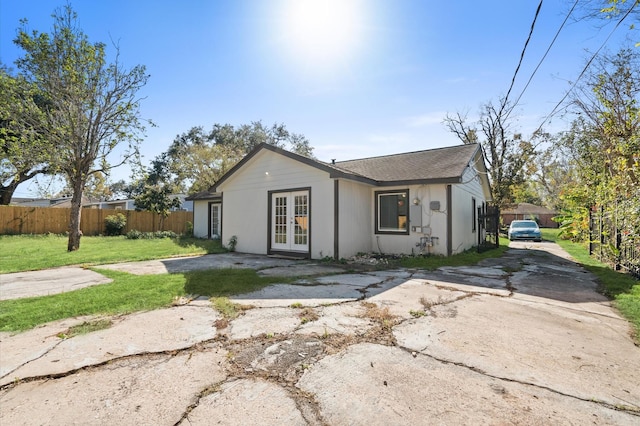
(622, 288)
(33, 252)
(129, 293)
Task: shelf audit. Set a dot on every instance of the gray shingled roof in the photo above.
(440, 164)
(203, 195)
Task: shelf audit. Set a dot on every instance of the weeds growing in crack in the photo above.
(85, 328)
(337, 342)
(382, 316)
(308, 315)
(228, 310)
(182, 300)
(417, 314)
(211, 389)
(384, 322)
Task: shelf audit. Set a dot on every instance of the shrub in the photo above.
(134, 234)
(165, 234)
(189, 230)
(138, 235)
(233, 241)
(114, 224)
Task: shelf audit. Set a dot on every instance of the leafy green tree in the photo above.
(604, 144)
(157, 199)
(95, 107)
(121, 189)
(197, 159)
(24, 152)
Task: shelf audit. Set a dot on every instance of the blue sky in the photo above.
(363, 78)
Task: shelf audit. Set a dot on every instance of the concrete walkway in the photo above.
(523, 339)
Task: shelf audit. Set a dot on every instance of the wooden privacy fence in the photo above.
(43, 220)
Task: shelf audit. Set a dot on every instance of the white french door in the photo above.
(215, 221)
(290, 221)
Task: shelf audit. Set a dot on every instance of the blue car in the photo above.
(524, 230)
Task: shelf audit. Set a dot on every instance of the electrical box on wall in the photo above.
(434, 205)
(415, 216)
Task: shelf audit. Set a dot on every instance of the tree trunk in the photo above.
(76, 211)
(6, 193)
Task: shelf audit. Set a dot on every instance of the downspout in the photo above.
(449, 222)
(336, 219)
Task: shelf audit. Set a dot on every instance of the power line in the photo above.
(584, 70)
(543, 58)
(526, 43)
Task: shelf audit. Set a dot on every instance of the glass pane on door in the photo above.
(280, 219)
(301, 219)
(215, 221)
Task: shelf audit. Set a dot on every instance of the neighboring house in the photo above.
(542, 215)
(279, 203)
(114, 205)
(60, 202)
(129, 204)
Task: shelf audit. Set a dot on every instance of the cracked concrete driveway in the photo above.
(523, 339)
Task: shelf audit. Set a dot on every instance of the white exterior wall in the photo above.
(434, 222)
(246, 201)
(201, 218)
(355, 221)
(464, 237)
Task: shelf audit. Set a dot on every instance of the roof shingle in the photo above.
(433, 164)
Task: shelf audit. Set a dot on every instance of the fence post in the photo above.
(590, 231)
(497, 225)
(601, 229)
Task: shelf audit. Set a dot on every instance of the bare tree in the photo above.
(505, 151)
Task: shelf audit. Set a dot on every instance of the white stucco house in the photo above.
(279, 203)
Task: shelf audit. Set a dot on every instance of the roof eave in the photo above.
(434, 181)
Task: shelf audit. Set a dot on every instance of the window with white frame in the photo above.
(392, 212)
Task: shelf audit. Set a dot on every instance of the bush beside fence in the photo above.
(615, 240)
(44, 220)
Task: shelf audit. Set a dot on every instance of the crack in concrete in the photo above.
(32, 360)
(633, 410)
(365, 290)
(211, 389)
(306, 403)
(169, 353)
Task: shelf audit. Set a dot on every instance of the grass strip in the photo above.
(34, 252)
(469, 257)
(129, 293)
